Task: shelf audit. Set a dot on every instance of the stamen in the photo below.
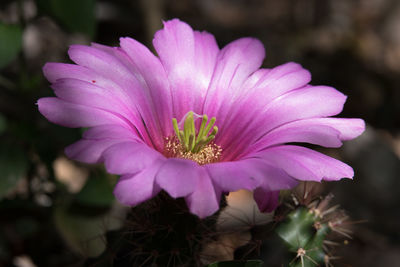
(203, 124)
(176, 128)
(191, 140)
(211, 124)
(191, 144)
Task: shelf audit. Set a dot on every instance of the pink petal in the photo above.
(178, 177)
(72, 115)
(109, 66)
(266, 200)
(57, 71)
(154, 79)
(262, 87)
(206, 51)
(130, 157)
(89, 151)
(348, 128)
(271, 181)
(326, 132)
(92, 95)
(232, 176)
(96, 140)
(136, 188)
(305, 164)
(259, 89)
(250, 174)
(111, 132)
(203, 201)
(300, 131)
(188, 58)
(298, 104)
(114, 64)
(272, 83)
(54, 71)
(305, 103)
(235, 63)
(175, 45)
(89, 73)
(272, 177)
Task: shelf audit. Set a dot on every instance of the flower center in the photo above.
(189, 143)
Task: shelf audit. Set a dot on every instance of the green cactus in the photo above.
(305, 232)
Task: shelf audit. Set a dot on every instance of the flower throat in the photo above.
(194, 145)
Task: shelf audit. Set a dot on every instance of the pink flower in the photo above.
(128, 98)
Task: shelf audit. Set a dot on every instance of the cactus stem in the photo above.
(307, 227)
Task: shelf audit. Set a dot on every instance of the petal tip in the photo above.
(46, 69)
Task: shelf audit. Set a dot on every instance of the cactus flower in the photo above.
(196, 120)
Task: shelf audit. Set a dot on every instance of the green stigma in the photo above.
(191, 140)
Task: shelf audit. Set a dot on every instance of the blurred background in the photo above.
(54, 212)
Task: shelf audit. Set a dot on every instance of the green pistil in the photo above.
(192, 141)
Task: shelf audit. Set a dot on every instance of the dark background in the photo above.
(49, 204)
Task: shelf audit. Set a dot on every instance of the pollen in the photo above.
(209, 153)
